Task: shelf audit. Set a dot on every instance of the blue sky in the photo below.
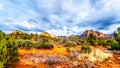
(59, 17)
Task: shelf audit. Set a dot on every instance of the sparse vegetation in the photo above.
(68, 49)
(9, 44)
(80, 41)
(70, 43)
(44, 45)
(25, 44)
(8, 50)
(115, 46)
(86, 49)
(92, 39)
(56, 59)
(96, 56)
(29, 44)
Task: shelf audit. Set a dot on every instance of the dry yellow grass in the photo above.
(56, 50)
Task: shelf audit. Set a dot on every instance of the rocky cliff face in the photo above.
(97, 33)
(17, 32)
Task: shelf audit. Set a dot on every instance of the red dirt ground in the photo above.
(60, 51)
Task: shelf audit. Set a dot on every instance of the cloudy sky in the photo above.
(59, 17)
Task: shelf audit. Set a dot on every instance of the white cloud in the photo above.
(60, 17)
(1, 7)
(111, 28)
(60, 32)
(57, 32)
(79, 30)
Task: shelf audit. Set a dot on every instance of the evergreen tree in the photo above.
(116, 45)
(8, 50)
(92, 39)
(117, 35)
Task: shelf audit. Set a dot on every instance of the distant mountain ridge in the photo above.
(97, 33)
(83, 35)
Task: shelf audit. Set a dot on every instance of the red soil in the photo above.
(60, 51)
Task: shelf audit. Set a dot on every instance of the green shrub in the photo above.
(86, 49)
(70, 43)
(8, 51)
(45, 45)
(102, 42)
(92, 39)
(80, 41)
(110, 41)
(37, 45)
(1, 65)
(115, 46)
(25, 44)
(68, 49)
(28, 44)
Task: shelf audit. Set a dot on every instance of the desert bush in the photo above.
(86, 49)
(68, 49)
(56, 59)
(70, 43)
(8, 50)
(92, 39)
(1, 65)
(110, 41)
(115, 46)
(25, 44)
(96, 56)
(117, 35)
(45, 45)
(37, 45)
(102, 42)
(80, 41)
(29, 44)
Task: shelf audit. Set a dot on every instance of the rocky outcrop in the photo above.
(97, 33)
(17, 32)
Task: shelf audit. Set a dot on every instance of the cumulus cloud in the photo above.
(59, 17)
(1, 7)
(110, 28)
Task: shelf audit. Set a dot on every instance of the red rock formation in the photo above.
(97, 33)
